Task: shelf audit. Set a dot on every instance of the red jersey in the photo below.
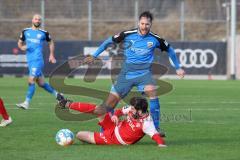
(131, 130)
(128, 131)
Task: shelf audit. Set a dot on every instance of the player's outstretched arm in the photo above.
(90, 58)
(52, 49)
(180, 72)
(172, 55)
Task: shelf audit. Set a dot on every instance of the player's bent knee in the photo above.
(31, 81)
(150, 90)
(112, 100)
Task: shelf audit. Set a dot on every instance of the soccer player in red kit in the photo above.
(6, 118)
(136, 124)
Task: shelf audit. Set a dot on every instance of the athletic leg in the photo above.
(6, 118)
(150, 90)
(3, 111)
(86, 136)
(41, 83)
(29, 94)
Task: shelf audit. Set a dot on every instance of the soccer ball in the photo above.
(64, 137)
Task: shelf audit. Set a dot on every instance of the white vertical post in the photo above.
(182, 18)
(233, 39)
(228, 20)
(136, 13)
(89, 20)
(43, 13)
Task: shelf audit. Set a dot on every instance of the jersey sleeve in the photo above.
(150, 130)
(48, 37)
(118, 37)
(148, 127)
(102, 47)
(163, 44)
(22, 36)
(172, 55)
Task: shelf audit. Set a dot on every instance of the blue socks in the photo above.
(155, 112)
(30, 92)
(49, 89)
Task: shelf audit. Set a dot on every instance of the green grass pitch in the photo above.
(201, 119)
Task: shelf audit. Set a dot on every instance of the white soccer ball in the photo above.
(64, 137)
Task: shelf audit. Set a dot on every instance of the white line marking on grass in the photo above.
(205, 102)
(204, 109)
(23, 109)
(36, 103)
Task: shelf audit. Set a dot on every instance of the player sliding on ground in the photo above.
(137, 123)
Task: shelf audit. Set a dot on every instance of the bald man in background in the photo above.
(31, 41)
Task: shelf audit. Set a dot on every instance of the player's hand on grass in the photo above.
(115, 119)
(180, 72)
(89, 59)
(52, 59)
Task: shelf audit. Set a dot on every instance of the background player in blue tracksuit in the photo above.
(136, 69)
(31, 40)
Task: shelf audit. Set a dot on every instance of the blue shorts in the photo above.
(35, 69)
(123, 84)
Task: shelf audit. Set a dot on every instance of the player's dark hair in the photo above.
(139, 103)
(146, 14)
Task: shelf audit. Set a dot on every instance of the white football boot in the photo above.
(24, 105)
(4, 122)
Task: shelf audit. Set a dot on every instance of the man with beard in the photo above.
(136, 68)
(31, 41)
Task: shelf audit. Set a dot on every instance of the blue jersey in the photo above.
(34, 41)
(139, 49)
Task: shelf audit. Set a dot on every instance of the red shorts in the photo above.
(108, 136)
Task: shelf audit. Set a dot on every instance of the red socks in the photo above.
(3, 111)
(156, 137)
(82, 107)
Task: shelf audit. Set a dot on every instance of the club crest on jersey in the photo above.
(149, 44)
(39, 36)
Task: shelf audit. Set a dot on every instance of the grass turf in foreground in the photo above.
(201, 119)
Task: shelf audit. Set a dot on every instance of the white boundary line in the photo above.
(188, 77)
(167, 76)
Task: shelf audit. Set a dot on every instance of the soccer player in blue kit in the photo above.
(31, 40)
(136, 68)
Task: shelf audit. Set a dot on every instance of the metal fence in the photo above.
(97, 19)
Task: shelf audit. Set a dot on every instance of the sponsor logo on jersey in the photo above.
(149, 44)
(34, 40)
(39, 36)
(131, 124)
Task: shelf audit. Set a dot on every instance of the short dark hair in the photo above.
(139, 103)
(146, 14)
